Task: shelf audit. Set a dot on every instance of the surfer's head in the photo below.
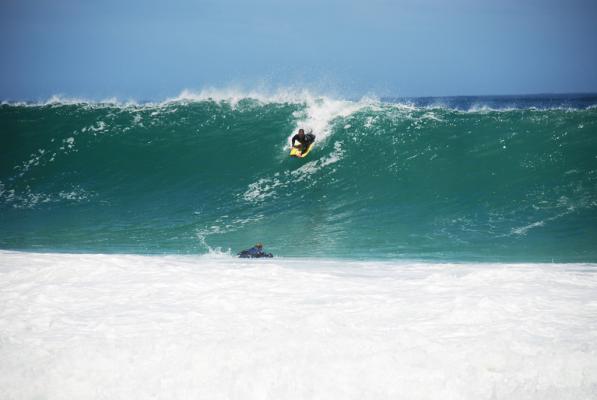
(301, 132)
(259, 245)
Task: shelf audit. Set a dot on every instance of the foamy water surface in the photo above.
(78, 326)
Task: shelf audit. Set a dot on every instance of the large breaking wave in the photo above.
(466, 178)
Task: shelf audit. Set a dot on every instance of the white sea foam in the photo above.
(563, 203)
(320, 110)
(234, 95)
(262, 189)
(222, 225)
(28, 198)
(41, 157)
(67, 100)
(175, 327)
(309, 169)
(266, 187)
(289, 94)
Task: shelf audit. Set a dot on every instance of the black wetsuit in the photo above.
(306, 141)
(254, 252)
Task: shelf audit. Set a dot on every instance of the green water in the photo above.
(383, 181)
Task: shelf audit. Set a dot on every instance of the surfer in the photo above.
(304, 139)
(255, 252)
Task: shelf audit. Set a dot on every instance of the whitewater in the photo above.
(428, 248)
(93, 326)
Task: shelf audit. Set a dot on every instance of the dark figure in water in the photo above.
(304, 139)
(255, 252)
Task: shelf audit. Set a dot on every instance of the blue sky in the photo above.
(155, 49)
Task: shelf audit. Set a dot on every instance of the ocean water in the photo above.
(462, 179)
(91, 326)
(428, 248)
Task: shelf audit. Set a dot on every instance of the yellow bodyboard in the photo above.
(296, 151)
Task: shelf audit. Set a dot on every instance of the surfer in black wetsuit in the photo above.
(255, 252)
(304, 139)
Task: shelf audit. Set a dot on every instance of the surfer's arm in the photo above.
(295, 137)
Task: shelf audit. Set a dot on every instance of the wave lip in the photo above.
(295, 95)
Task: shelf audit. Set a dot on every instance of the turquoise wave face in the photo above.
(383, 181)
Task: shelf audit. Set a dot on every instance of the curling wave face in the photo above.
(511, 179)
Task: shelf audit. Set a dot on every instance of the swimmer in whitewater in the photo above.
(255, 252)
(304, 139)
